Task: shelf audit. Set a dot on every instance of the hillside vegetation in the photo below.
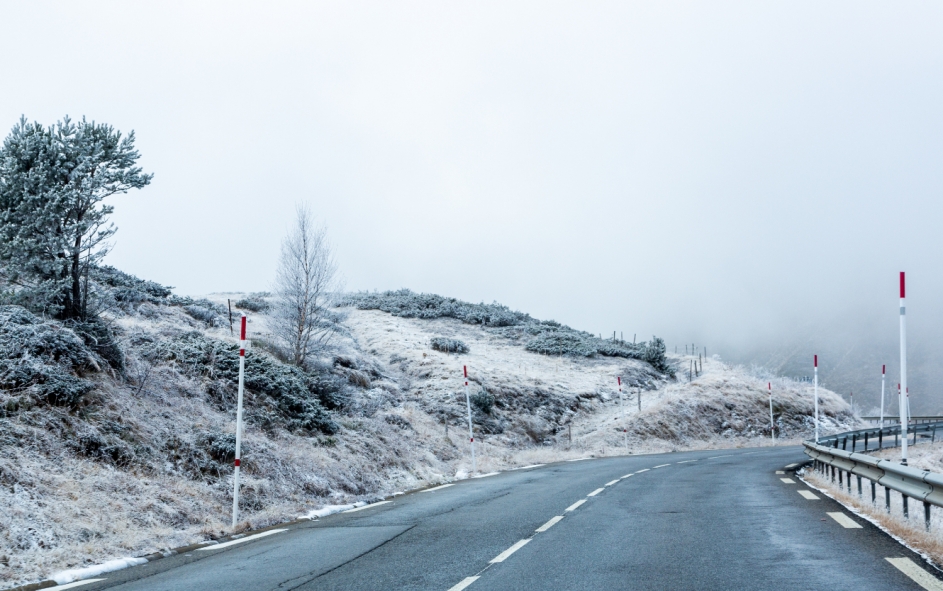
(117, 432)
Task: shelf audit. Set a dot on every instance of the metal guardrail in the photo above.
(916, 419)
(910, 482)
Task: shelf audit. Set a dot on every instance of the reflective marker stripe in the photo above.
(464, 583)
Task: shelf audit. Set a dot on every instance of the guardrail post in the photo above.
(895, 440)
(887, 498)
(844, 444)
(839, 480)
(865, 442)
(926, 514)
(874, 493)
(833, 474)
(880, 438)
(859, 486)
(906, 511)
(854, 440)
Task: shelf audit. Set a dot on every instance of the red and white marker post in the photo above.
(904, 394)
(883, 372)
(815, 389)
(238, 461)
(625, 435)
(772, 425)
(471, 434)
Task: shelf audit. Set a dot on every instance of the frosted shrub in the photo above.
(483, 401)
(408, 304)
(294, 392)
(254, 303)
(43, 360)
(447, 345)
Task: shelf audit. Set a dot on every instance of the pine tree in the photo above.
(53, 222)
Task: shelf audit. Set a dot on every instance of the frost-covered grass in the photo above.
(144, 461)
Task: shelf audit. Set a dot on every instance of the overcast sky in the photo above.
(719, 172)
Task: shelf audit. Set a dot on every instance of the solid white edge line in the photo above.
(611, 482)
(553, 521)
(791, 465)
(463, 583)
(440, 487)
(486, 475)
(843, 520)
(579, 459)
(377, 504)
(241, 540)
(504, 555)
(575, 505)
(808, 494)
(77, 584)
(917, 574)
(595, 492)
(528, 467)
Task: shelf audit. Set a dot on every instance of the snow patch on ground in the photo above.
(78, 574)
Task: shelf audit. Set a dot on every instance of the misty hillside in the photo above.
(118, 433)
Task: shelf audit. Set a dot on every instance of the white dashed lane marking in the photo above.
(575, 505)
(780, 472)
(662, 466)
(917, 574)
(504, 555)
(549, 524)
(808, 494)
(626, 476)
(686, 461)
(440, 487)
(611, 482)
(595, 492)
(464, 583)
(642, 470)
(788, 480)
(843, 520)
(791, 465)
(241, 540)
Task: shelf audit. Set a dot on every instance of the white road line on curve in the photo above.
(715, 457)
(686, 461)
(528, 467)
(662, 466)
(844, 520)
(241, 540)
(78, 584)
(595, 492)
(574, 506)
(788, 480)
(919, 575)
(486, 475)
(578, 459)
(464, 583)
(791, 465)
(643, 470)
(504, 555)
(377, 504)
(780, 472)
(626, 476)
(549, 524)
(808, 494)
(440, 487)
(611, 482)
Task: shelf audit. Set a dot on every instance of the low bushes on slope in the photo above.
(41, 362)
(296, 394)
(447, 345)
(545, 337)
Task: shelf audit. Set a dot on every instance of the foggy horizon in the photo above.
(747, 177)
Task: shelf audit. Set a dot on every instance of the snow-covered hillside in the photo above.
(140, 457)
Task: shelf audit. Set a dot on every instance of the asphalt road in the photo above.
(694, 520)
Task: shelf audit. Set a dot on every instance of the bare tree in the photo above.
(305, 279)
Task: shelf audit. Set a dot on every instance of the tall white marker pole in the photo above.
(883, 372)
(904, 394)
(815, 388)
(471, 434)
(625, 435)
(242, 374)
(772, 425)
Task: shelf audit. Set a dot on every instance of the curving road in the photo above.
(694, 520)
